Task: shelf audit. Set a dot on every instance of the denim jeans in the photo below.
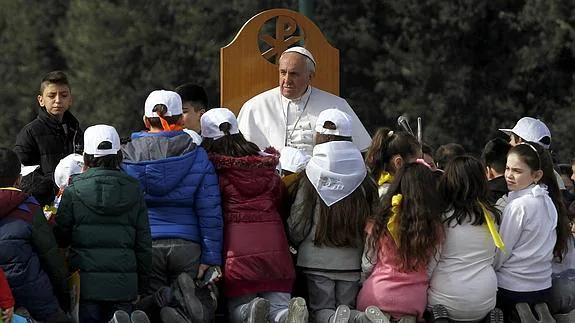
(170, 258)
(563, 292)
(101, 312)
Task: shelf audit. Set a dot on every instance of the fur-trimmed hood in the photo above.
(269, 158)
(250, 175)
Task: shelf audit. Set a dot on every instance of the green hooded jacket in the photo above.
(103, 219)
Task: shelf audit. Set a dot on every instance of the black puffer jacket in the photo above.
(45, 140)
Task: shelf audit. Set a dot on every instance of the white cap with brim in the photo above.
(293, 160)
(95, 135)
(170, 99)
(302, 51)
(530, 129)
(211, 120)
(340, 119)
(68, 166)
(27, 170)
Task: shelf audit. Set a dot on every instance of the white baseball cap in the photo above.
(170, 99)
(302, 51)
(95, 135)
(341, 120)
(211, 120)
(27, 170)
(293, 159)
(68, 166)
(530, 129)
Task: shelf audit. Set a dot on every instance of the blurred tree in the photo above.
(467, 67)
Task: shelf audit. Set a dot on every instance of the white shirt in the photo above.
(462, 277)
(528, 231)
(268, 119)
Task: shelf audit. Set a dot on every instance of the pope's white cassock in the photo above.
(270, 119)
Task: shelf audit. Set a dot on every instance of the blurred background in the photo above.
(466, 67)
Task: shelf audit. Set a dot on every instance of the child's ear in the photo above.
(397, 162)
(537, 176)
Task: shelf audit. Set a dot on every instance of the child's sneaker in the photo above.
(342, 314)
(375, 315)
(139, 317)
(120, 317)
(297, 312)
(256, 311)
(171, 315)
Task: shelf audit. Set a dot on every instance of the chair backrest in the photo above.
(248, 65)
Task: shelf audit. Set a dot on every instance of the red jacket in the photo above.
(6, 299)
(256, 251)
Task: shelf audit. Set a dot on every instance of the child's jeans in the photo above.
(562, 298)
(101, 312)
(279, 303)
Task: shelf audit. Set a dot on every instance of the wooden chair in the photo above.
(248, 65)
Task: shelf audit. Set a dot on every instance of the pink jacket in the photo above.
(397, 293)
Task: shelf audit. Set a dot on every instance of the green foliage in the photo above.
(467, 67)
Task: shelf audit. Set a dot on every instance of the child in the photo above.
(103, 219)
(194, 104)
(402, 237)
(462, 276)
(181, 191)
(333, 200)
(67, 167)
(30, 258)
(446, 152)
(494, 157)
(389, 150)
(258, 270)
(534, 228)
(55, 133)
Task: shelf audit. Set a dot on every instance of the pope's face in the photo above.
(294, 75)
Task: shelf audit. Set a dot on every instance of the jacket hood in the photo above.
(250, 175)
(10, 199)
(106, 191)
(160, 161)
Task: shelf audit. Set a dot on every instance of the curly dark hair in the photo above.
(420, 224)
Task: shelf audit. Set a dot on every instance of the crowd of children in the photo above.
(189, 213)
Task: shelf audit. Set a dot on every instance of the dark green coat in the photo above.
(104, 220)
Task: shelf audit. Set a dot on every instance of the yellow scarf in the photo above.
(393, 222)
(384, 177)
(492, 228)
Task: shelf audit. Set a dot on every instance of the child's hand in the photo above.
(7, 314)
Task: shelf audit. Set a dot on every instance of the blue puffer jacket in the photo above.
(28, 254)
(180, 187)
